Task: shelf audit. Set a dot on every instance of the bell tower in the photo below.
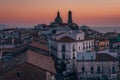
(70, 17)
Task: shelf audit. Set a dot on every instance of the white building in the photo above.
(66, 45)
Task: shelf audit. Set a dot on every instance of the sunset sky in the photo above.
(88, 12)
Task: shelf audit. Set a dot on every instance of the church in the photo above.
(59, 22)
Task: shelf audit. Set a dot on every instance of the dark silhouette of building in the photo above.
(58, 22)
(58, 19)
(30, 65)
(70, 17)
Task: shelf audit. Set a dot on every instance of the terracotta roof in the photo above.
(39, 45)
(41, 61)
(33, 58)
(105, 57)
(66, 39)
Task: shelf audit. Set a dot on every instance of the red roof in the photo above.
(33, 58)
(66, 39)
(39, 45)
(41, 61)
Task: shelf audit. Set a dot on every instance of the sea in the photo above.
(101, 29)
(107, 29)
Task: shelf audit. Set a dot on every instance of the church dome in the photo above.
(58, 19)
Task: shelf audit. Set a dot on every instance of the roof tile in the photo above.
(66, 39)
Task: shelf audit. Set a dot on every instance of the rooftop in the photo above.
(104, 57)
(33, 58)
(101, 57)
(39, 45)
(66, 39)
(41, 61)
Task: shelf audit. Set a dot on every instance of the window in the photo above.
(79, 48)
(18, 74)
(91, 70)
(83, 46)
(98, 70)
(86, 44)
(83, 69)
(63, 48)
(93, 44)
(107, 45)
(73, 47)
(89, 44)
(70, 32)
(67, 57)
(63, 55)
(113, 70)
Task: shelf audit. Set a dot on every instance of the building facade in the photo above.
(101, 44)
(103, 66)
